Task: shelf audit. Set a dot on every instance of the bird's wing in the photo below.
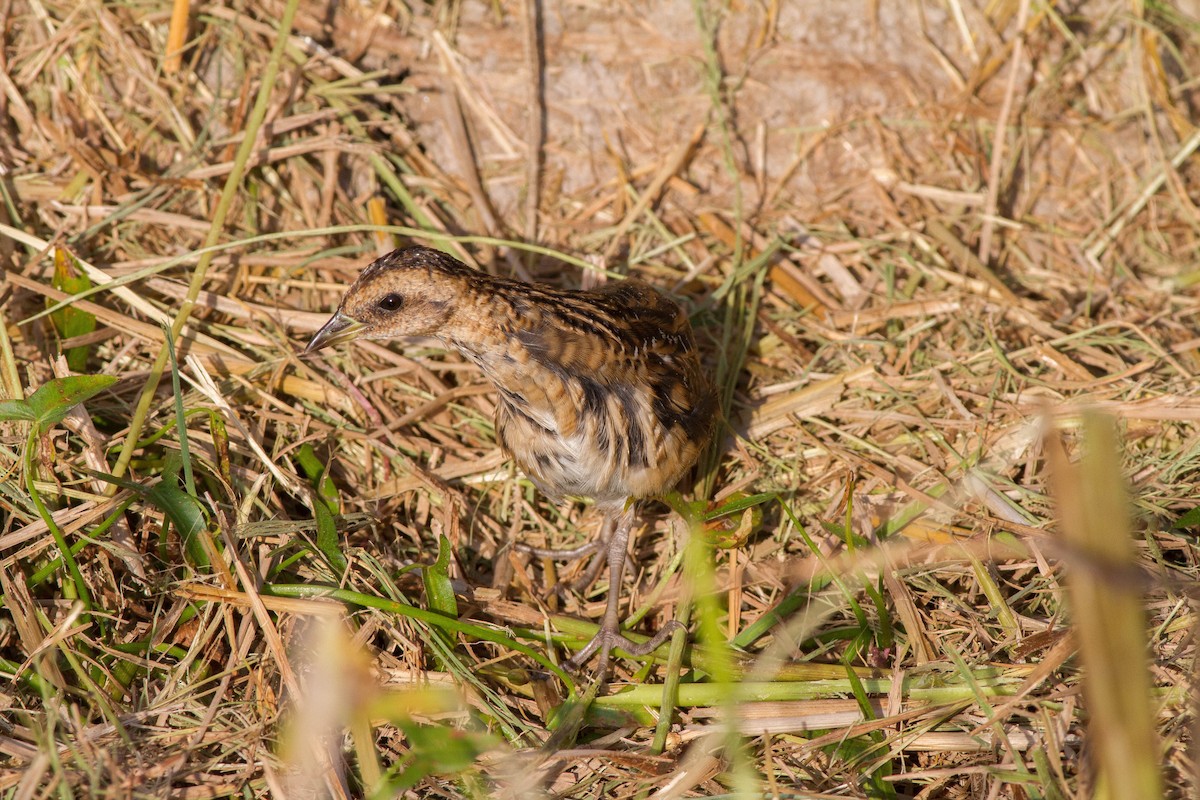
(623, 343)
(633, 329)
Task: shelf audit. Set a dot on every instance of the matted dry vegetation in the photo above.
(919, 239)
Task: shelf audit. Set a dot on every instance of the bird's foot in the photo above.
(564, 554)
(608, 638)
(580, 584)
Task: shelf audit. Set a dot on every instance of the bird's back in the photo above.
(602, 394)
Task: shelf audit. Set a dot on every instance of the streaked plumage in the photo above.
(601, 393)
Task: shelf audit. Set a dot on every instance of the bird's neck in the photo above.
(501, 331)
(485, 328)
(482, 322)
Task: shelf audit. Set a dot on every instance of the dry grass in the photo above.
(915, 254)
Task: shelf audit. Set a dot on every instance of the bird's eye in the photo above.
(391, 302)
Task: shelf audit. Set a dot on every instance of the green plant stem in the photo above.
(412, 612)
(232, 184)
(692, 695)
(68, 558)
(669, 699)
(15, 674)
(189, 481)
(55, 564)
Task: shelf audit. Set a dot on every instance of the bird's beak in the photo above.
(340, 328)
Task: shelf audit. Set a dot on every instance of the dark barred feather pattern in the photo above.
(601, 392)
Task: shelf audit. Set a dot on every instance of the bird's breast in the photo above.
(615, 449)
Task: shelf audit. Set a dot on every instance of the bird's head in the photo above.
(408, 292)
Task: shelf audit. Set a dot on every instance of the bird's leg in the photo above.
(571, 553)
(563, 554)
(595, 546)
(609, 635)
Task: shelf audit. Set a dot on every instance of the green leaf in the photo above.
(220, 436)
(436, 750)
(740, 503)
(692, 511)
(1189, 520)
(69, 321)
(327, 537)
(438, 588)
(314, 469)
(186, 514)
(729, 531)
(17, 409)
(51, 402)
(189, 481)
(797, 599)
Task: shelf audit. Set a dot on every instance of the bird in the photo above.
(601, 393)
